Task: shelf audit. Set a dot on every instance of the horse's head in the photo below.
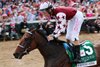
(27, 43)
(32, 39)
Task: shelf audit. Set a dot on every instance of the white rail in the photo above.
(52, 20)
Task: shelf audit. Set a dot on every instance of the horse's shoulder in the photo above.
(61, 41)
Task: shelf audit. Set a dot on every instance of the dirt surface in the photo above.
(34, 59)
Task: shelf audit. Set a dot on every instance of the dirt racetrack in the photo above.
(34, 58)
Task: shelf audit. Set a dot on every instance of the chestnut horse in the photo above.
(54, 55)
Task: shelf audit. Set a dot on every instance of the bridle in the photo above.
(29, 32)
(26, 43)
(24, 46)
(27, 39)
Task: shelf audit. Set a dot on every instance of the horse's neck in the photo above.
(51, 51)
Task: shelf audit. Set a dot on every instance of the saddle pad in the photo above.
(87, 53)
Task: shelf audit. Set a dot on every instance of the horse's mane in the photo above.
(41, 33)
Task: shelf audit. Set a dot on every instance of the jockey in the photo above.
(63, 15)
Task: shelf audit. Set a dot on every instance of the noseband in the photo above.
(21, 46)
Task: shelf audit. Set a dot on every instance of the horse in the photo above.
(54, 54)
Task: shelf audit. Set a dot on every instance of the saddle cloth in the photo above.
(87, 53)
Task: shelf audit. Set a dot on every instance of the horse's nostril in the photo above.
(18, 55)
(15, 55)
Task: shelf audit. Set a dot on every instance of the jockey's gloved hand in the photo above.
(51, 37)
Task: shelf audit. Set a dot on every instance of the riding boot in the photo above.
(77, 58)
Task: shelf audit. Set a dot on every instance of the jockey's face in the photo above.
(45, 13)
(49, 11)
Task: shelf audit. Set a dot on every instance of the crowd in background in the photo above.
(18, 12)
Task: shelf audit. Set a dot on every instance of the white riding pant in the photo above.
(74, 26)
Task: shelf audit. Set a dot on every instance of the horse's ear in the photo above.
(31, 28)
(34, 28)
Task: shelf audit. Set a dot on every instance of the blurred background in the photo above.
(17, 16)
